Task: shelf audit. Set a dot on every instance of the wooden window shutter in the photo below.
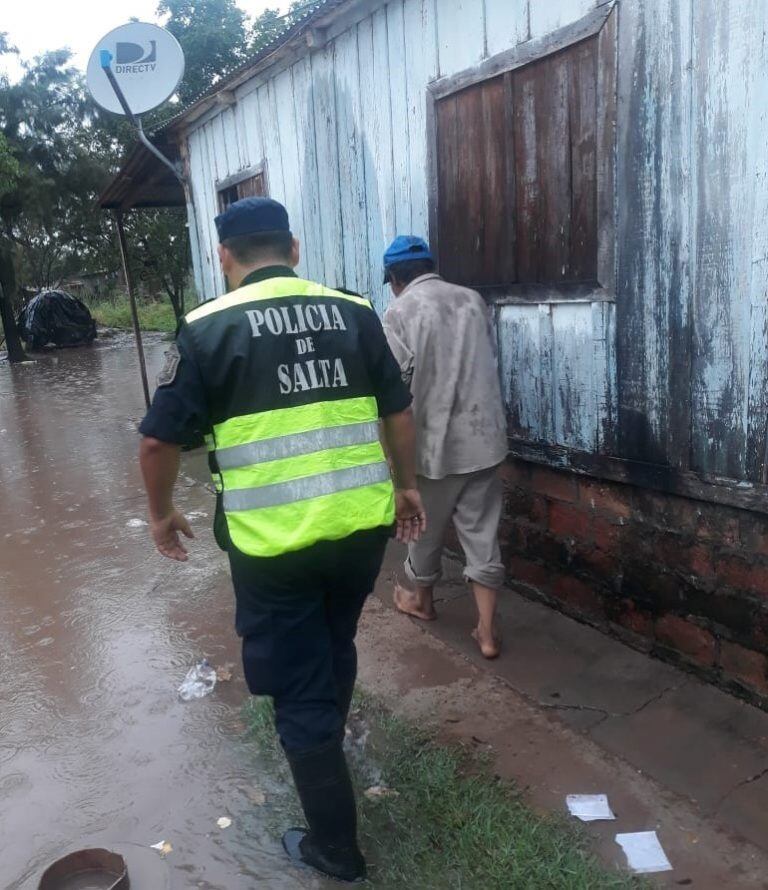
(517, 174)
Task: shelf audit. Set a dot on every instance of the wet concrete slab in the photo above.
(699, 748)
(699, 742)
(97, 632)
(412, 671)
(744, 807)
(583, 675)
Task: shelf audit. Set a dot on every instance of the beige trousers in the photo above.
(473, 501)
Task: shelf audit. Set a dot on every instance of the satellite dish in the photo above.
(146, 61)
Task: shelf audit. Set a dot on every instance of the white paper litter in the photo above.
(378, 791)
(163, 847)
(644, 852)
(136, 523)
(589, 807)
(224, 822)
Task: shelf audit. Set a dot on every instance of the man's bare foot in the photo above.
(410, 602)
(489, 643)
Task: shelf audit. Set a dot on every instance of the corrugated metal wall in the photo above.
(675, 371)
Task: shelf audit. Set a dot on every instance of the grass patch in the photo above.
(452, 826)
(117, 314)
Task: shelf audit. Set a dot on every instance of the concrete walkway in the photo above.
(568, 710)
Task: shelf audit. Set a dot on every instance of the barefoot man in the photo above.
(441, 336)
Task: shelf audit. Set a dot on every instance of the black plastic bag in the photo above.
(56, 317)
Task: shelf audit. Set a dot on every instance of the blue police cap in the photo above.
(249, 216)
(403, 249)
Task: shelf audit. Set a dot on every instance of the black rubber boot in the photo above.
(325, 789)
(344, 693)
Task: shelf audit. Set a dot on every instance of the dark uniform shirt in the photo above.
(185, 406)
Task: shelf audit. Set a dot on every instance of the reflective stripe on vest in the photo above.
(293, 476)
(297, 443)
(270, 289)
(306, 488)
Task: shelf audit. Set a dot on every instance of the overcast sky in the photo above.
(35, 26)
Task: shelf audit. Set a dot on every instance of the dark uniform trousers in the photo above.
(298, 614)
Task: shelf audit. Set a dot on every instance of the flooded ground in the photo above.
(97, 632)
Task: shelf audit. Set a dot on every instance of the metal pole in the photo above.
(132, 300)
(106, 61)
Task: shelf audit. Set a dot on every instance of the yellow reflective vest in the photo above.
(294, 439)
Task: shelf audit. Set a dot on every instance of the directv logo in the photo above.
(133, 58)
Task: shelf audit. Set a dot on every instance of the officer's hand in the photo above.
(165, 534)
(410, 515)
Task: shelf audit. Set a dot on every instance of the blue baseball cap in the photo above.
(249, 216)
(403, 249)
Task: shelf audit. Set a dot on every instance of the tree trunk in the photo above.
(178, 310)
(177, 300)
(7, 292)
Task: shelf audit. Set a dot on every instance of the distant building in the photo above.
(93, 285)
(600, 171)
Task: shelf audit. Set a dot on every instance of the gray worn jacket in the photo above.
(441, 336)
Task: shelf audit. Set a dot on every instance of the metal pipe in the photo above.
(132, 300)
(136, 121)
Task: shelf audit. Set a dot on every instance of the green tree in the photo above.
(9, 168)
(8, 333)
(49, 214)
(10, 176)
(265, 29)
(212, 34)
(160, 246)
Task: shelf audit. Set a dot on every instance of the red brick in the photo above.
(723, 530)
(745, 665)
(758, 626)
(607, 535)
(539, 510)
(528, 572)
(680, 555)
(558, 486)
(513, 536)
(695, 642)
(517, 502)
(611, 500)
(635, 620)
(753, 534)
(743, 574)
(578, 595)
(566, 521)
(516, 473)
(604, 565)
(676, 514)
(522, 504)
(699, 560)
(666, 548)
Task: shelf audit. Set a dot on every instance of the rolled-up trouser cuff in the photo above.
(491, 575)
(421, 580)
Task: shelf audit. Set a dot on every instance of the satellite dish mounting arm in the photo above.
(106, 67)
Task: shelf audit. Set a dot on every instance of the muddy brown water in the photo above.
(96, 633)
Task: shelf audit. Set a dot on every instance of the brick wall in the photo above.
(682, 579)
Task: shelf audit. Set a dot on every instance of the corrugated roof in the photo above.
(144, 181)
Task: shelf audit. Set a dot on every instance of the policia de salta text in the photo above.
(287, 380)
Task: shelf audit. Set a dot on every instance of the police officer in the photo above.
(288, 380)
